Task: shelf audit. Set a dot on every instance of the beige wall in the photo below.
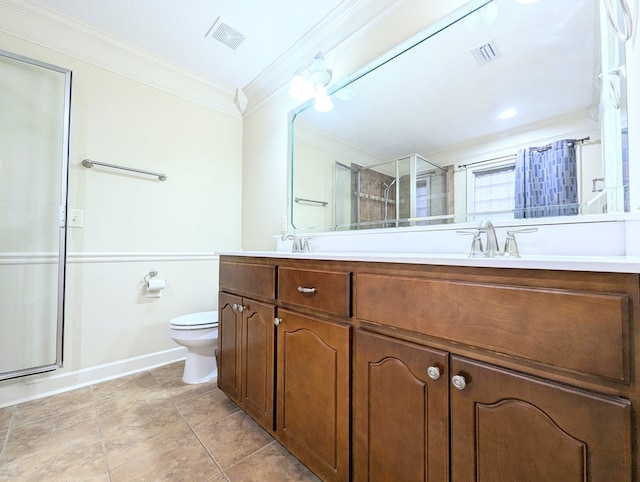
(135, 223)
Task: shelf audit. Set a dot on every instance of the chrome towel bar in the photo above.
(310, 201)
(89, 163)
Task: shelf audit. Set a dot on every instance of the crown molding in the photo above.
(43, 26)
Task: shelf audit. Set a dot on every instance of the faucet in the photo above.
(492, 249)
(300, 245)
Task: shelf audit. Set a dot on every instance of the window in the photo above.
(491, 190)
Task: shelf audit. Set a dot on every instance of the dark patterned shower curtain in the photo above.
(547, 181)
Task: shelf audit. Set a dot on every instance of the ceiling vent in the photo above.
(486, 53)
(222, 32)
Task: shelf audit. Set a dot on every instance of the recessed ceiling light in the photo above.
(508, 114)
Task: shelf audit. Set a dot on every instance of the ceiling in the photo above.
(443, 99)
(177, 33)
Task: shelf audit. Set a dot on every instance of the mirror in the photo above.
(514, 110)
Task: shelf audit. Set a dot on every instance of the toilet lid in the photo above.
(199, 326)
(195, 320)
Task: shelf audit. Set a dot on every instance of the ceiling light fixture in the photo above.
(508, 114)
(311, 82)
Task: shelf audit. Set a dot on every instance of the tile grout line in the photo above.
(6, 436)
(104, 446)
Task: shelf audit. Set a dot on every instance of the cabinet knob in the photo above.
(433, 372)
(277, 321)
(240, 308)
(458, 382)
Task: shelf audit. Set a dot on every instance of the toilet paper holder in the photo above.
(151, 274)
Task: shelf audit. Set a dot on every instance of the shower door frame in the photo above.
(62, 219)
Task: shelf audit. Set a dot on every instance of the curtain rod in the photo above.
(464, 166)
(89, 163)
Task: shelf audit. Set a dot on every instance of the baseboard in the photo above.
(45, 384)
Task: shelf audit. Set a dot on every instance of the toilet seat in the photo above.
(195, 321)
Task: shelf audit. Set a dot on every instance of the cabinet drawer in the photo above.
(328, 291)
(579, 331)
(249, 279)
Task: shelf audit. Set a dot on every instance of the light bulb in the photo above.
(323, 102)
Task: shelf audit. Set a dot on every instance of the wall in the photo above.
(134, 223)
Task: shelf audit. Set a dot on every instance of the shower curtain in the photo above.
(546, 181)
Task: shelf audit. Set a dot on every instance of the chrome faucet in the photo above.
(300, 245)
(492, 249)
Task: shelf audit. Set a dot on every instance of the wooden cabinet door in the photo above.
(401, 420)
(510, 427)
(229, 346)
(313, 365)
(258, 361)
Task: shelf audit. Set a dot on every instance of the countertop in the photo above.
(613, 264)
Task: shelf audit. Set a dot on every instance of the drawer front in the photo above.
(328, 291)
(248, 279)
(580, 331)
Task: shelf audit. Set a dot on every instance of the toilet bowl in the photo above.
(198, 332)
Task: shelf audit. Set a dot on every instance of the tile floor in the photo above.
(144, 427)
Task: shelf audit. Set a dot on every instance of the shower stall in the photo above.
(34, 145)
(408, 191)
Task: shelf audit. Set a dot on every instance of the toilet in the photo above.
(198, 332)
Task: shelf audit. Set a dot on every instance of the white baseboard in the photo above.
(32, 387)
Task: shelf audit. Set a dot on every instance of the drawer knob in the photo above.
(458, 382)
(433, 372)
(302, 289)
(277, 321)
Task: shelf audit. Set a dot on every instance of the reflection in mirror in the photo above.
(487, 117)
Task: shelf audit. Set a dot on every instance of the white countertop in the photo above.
(613, 264)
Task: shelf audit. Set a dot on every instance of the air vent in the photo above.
(223, 33)
(486, 53)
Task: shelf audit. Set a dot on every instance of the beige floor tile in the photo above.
(56, 431)
(184, 459)
(233, 438)
(166, 373)
(131, 428)
(54, 405)
(178, 390)
(98, 478)
(206, 408)
(5, 416)
(141, 386)
(72, 462)
(271, 464)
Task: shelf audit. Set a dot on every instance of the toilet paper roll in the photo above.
(155, 287)
(156, 284)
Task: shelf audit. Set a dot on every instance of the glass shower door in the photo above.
(34, 133)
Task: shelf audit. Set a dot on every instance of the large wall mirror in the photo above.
(508, 109)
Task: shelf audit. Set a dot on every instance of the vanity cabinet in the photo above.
(245, 355)
(504, 425)
(371, 371)
(508, 426)
(401, 411)
(300, 391)
(246, 340)
(313, 382)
